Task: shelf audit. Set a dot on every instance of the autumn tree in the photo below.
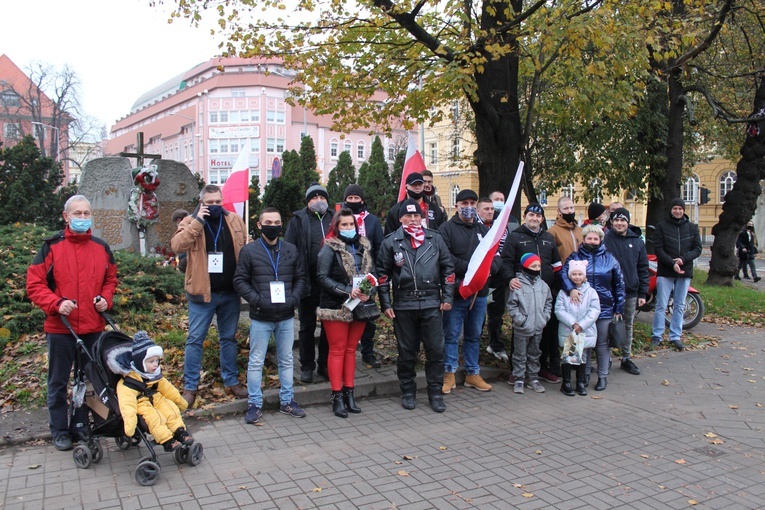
(287, 192)
(374, 179)
(340, 177)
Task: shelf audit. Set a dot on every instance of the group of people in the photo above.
(561, 286)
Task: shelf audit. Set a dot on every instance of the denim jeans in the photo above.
(284, 337)
(664, 287)
(472, 319)
(225, 306)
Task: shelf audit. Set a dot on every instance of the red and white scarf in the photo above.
(362, 228)
(416, 235)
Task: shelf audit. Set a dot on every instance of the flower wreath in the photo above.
(143, 206)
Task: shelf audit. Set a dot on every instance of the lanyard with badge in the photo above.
(359, 277)
(215, 258)
(277, 287)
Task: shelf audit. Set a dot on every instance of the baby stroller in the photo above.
(96, 376)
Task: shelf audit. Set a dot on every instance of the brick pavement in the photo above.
(640, 444)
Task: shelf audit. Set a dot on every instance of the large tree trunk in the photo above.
(741, 201)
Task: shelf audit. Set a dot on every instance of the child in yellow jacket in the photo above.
(145, 392)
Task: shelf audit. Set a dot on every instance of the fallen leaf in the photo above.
(692, 502)
(316, 489)
(518, 486)
(33, 466)
(752, 380)
(733, 407)
(442, 448)
(680, 461)
(538, 452)
(665, 382)
(652, 355)
(528, 494)
(710, 434)
(407, 457)
(758, 405)
(662, 486)
(398, 462)
(403, 473)
(645, 456)
(717, 441)
(596, 397)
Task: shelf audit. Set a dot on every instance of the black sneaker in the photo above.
(253, 414)
(655, 342)
(183, 436)
(757, 279)
(371, 361)
(629, 366)
(678, 345)
(306, 376)
(63, 442)
(292, 409)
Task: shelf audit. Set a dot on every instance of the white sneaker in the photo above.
(536, 386)
(500, 355)
(518, 387)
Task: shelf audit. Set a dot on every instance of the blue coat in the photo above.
(604, 275)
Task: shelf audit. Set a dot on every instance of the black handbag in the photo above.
(617, 333)
(366, 311)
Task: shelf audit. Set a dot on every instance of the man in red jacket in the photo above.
(73, 274)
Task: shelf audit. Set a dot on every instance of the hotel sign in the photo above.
(235, 132)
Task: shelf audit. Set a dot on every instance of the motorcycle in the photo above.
(694, 306)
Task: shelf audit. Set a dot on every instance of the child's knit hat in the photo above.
(144, 347)
(577, 265)
(528, 258)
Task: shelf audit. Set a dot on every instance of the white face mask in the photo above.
(498, 206)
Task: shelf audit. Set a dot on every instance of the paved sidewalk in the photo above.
(688, 432)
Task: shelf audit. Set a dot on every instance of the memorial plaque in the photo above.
(178, 189)
(107, 182)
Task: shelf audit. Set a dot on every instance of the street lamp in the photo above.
(58, 136)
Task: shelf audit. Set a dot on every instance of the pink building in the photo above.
(205, 116)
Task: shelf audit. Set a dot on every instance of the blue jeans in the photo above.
(665, 286)
(225, 306)
(472, 319)
(284, 337)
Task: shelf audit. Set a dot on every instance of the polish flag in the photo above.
(413, 163)
(236, 189)
(477, 273)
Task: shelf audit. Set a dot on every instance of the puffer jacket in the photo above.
(190, 237)
(462, 239)
(335, 270)
(604, 274)
(629, 250)
(255, 272)
(585, 314)
(673, 239)
(530, 306)
(421, 279)
(72, 266)
(167, 402)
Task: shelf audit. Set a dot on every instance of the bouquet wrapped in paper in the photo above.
(365, 286)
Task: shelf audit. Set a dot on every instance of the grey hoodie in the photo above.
(530, 306)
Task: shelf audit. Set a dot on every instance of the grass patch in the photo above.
(738, 305)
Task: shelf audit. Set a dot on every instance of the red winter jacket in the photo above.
(72, 266)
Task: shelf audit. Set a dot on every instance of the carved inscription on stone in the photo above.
(108, 222)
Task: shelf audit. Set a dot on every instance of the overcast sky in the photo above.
(119, 48)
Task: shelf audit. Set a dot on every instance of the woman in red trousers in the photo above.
(345, 256)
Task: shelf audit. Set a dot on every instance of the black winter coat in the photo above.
(255, 272)
(299, 234)
(421, 279)
(336, 268)
(673, 239)
(629, 250)
(746, 242)
(462, 239)
(521, 241)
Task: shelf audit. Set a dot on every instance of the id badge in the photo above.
(357, 281)
(215, 262)
(277, 293)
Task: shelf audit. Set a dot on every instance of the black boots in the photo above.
(581, 380)
(601, 385)
(565, 386)
(350, 401)
(408, 402)
(338, 406)
(437, 402)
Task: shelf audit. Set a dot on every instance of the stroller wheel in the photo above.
(195, 454)
(82, 456)
(123, 442)
(147, 473)
(98, 452)
(181, 455)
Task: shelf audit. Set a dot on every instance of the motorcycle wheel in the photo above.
(694, 311)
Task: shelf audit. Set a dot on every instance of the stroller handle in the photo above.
(106, 316)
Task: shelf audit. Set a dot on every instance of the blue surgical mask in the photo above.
(498, 205)
(80, 225)
(348, 234)
(468, 212)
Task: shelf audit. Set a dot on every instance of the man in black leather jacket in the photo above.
(677, 244)
(416, 263)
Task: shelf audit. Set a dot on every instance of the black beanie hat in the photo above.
(353, 189)
(621, 213)
(595, 210)
(144, 347)
(314, 190)
(677, 201)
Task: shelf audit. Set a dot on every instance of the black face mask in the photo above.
(531, 272)
(592, 248)
(750, 229)
(568, 217)
(415, 195)
(271, 232)
(355, 207)
(215, 211)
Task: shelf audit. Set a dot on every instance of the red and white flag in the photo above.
(479, 267)
(413, 163)
(236, 189)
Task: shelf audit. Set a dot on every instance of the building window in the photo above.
(631, 195)
(542, 197)
(727, 180)
(333, 148)
(455, 148)
(233, 117)
(274, 116)
(391, 153)
(217, 176)
(213, 117)
(237, 92)
(234, 145)
(223, 145)
(223, 116)
(595, 186)
(433, 153)
(691, 189)
(453, 193)
(254, 115)
(11, 131)
(360, 153)
(10, 99)
(455, 111)
(348, 147)
(568, 191)
(275, 145)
